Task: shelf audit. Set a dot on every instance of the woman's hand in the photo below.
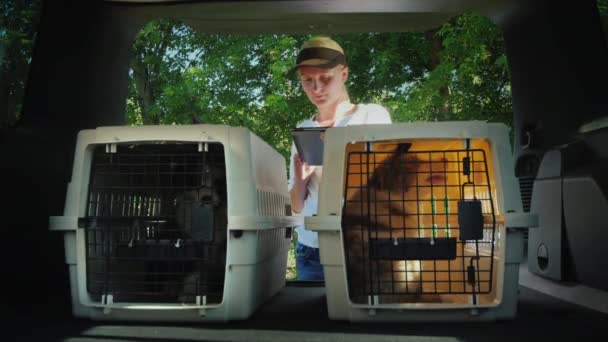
(302, 173)
(302, 170)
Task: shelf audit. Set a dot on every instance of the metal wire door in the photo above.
(156, 223)
(417, 223)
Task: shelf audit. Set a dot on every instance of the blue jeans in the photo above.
(308, 264)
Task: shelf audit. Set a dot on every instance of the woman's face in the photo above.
(324, 87)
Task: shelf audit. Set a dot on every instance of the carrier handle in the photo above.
(263, 222)
(520, 220)
(63, 223)
(324, 223)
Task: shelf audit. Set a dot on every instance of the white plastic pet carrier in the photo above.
(180, 223)
(420, 222)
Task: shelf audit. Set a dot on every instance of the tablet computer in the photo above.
(309, 143)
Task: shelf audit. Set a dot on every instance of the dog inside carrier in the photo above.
(420, 222)
(156, 223)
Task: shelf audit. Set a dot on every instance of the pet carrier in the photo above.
(179, 223)
(420, 221)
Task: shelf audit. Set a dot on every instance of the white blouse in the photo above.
(363, 115)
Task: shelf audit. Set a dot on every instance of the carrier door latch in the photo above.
(202, 301)
(107, 300)
(110, 148)
(520, 220)
(470, 217)
(203, 147)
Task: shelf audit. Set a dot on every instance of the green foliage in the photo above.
(480, 82)
(602, 6)
(474, 70)
(215, 79)
(243, 81)
(18, 22)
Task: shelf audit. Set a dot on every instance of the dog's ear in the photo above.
(403, 147)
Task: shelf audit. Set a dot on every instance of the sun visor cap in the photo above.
(321, 52)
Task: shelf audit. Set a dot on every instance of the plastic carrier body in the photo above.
(174, 223)
(420, 222)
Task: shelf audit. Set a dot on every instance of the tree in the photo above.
(18, 22)
(159, 52)
(456, 72)
(471, 80)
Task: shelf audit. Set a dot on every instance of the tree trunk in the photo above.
(147, 76)
(194, 119)
(436, 45)
(143, 91)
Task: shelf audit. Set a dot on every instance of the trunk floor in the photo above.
(300, 314)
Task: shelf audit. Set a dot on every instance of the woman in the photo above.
(321, 65)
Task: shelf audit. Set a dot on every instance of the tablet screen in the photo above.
(309, 144)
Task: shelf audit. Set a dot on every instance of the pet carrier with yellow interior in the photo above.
(174, 223)
(420, 221)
